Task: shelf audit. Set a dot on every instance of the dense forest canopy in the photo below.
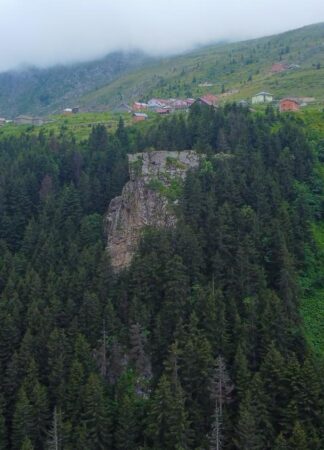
(199, 344)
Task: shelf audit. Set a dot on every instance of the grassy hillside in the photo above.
(243, 66)
(78, 125)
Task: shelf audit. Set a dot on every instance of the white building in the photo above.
(262, 97)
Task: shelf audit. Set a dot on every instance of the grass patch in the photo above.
(174, 163)
(78, 125)
(172, 191)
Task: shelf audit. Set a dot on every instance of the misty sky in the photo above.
(45, 32)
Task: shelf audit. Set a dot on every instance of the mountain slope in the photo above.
(41, 91)
(243, 66)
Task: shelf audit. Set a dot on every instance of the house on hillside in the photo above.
(163, 111)
(2, 121)
(179, 105)
(293, 66)
(139, 117)
(123, 108)
(139, 106)
(75, 110)
(28, 120)
(23, 120)
(289, 104)
(67, 111)
(158, 103)
(307, 100)
(155, 103)
(208, 99)
(243, 104)
(262, 97)
(38, 121)
(190, 101)
(205, 84)
(279, 67)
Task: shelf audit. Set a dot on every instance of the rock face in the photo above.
(146, 200)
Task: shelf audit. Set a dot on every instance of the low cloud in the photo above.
(47, 32)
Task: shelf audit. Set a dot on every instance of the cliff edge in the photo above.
(146, 200)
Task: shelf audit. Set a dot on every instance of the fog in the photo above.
(47, 32)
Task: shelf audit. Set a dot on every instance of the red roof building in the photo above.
(139, 117)
(289, 104)
(190, 101)
(138, 106)
(279, 67)
(208, 99)
(163, 111)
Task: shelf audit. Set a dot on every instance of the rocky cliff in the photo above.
(146, 200)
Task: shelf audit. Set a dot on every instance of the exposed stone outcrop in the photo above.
(145, 200)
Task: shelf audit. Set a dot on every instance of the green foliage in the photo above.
(172, 190)
(136, 166)
(201, 336)
(174, 163)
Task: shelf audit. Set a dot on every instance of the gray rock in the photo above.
(142, 202)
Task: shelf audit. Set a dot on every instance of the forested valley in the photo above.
(200, 343)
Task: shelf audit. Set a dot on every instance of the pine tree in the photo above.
(168, 425)
(242, 373)
(95, 415)
(75, 384)
(273, 373)
(221, 387)
(3, 428)
(195, 360)
(248, 436)
(176, 293)
(27, 445)
(280, 443)
(292, 380)
(298, 439)
(22, 426)
(221, 392)
(216, 435)
(121, 134)
(311, 403)
(40, 413)
(137, 351)
(55, 439)
(127, 426)
(263, 420)
(57, 346)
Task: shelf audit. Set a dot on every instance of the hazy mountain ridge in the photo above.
(244, 67)
(43, 91)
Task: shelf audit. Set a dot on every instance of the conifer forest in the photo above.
(200, 343)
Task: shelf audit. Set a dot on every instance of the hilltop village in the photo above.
(163, 107)
(140, 110)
